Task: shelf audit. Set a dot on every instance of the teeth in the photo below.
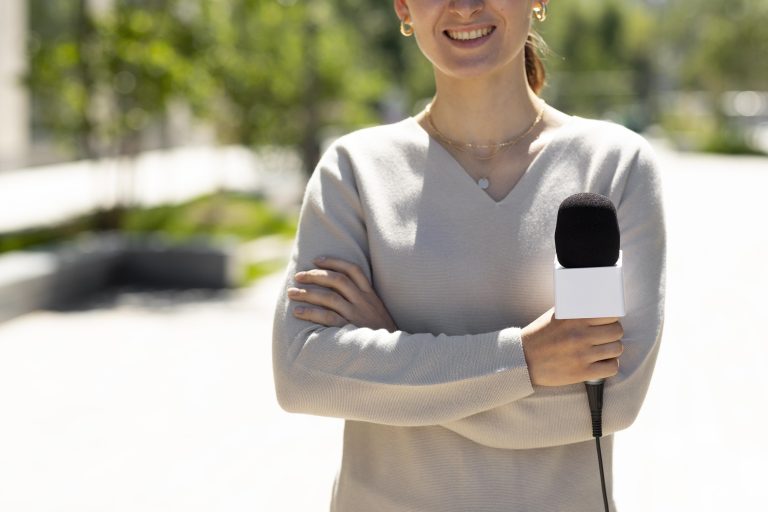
(468, 35)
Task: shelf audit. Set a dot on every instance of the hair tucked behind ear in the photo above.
(534, 67)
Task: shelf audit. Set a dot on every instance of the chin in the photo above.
(471, 71)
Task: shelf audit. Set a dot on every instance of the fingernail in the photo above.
(298, 309)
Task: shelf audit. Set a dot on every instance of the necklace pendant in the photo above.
(483, 183)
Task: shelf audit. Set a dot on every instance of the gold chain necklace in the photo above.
(484, 182)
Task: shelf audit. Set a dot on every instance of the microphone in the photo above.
(589, 280)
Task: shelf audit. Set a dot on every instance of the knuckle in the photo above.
(327, 297)
(335, 300)
(575, 336)
(338, 279)
(585, 357)
(329, 317)
(362, 275)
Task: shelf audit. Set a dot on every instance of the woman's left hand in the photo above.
(346, 297)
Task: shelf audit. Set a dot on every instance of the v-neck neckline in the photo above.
(457, 166)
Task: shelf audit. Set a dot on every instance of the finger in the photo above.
(330, 279)
(603, 369)
(600, 334)
(606, 351)
(353, 271)
(319, 316)
(321, 297)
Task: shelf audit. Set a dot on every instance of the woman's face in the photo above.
(469, 38)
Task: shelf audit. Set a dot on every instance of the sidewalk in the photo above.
(159, 402)
(164, 402)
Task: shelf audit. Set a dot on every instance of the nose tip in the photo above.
(466, 8)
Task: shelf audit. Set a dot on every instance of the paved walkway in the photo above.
(164, 402)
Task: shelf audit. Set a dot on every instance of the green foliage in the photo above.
(728, 141)
(263, 71)
(256, 270)
(32, 238)
(712, 47)
(226, 215)
(288, 72)
(718, 45)
(268, 57)
(99, 81)
(600, 58)
(219, 215)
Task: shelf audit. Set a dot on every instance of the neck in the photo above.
(484, 110)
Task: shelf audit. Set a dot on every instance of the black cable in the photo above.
(602, 474)
(595, 396)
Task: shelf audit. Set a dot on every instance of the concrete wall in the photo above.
(59, 276)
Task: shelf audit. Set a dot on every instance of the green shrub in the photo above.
(729, 142)
(239, 216)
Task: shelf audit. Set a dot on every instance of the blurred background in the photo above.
(153, 155)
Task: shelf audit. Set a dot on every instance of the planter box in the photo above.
(56, 276)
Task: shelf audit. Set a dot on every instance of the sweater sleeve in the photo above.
(560, 415)
(395, 378)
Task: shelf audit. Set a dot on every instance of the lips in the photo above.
(469, 35)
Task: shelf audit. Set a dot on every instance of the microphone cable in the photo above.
(595, 396)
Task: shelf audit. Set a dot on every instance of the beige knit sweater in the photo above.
(441, 415)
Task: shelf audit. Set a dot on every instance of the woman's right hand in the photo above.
(562, 352)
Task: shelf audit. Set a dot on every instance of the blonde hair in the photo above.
(534, 67)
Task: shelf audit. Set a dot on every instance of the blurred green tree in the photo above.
(712, 47)
(724, 45)
(61, 71)
(275, 72)
(287, 70)
(100, 81)
(296, 72)
(600, 59)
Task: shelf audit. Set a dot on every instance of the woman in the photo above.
(428, 325)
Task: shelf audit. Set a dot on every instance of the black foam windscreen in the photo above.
(587, 232)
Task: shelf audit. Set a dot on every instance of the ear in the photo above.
(401, 8)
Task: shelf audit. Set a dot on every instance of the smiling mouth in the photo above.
(469, 35)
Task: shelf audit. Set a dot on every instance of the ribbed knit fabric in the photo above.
(441, 415)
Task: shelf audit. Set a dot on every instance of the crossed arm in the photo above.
(343, 355)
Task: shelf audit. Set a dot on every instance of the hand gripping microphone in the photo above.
(589, 282)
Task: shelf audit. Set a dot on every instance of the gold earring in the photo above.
(540, 11)
(406, 28)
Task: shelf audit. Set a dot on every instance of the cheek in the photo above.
(427, 46)
(518, 12)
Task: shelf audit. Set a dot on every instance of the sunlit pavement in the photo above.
(164, 402)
